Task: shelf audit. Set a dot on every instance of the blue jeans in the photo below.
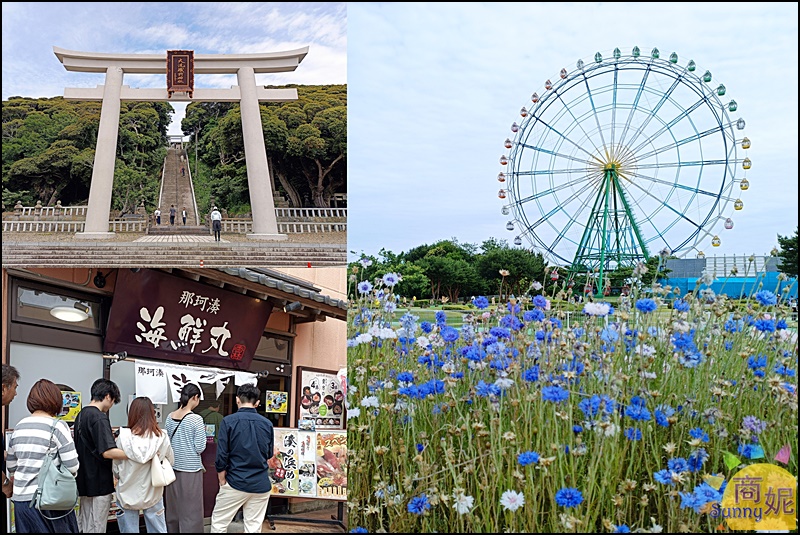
(128, 519)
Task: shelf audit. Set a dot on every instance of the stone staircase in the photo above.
(214, 254)
(188, 229)
(177, 189)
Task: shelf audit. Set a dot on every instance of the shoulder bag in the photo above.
(57, 488)
(161, 472)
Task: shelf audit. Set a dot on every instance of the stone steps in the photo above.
(181, 230)
(171, 255)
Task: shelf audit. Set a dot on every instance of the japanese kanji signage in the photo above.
(180, 71)
(162, 316)
(321, 398)
(309, 464)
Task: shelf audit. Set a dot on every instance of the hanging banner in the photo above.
(284, 464)
(332, 465)
(151, 381)
(180, 376)
(162, 316)
(320, 398)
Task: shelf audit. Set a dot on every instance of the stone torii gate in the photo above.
(247, 93)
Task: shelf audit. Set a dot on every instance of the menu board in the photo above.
(309, 464)
(320, 398)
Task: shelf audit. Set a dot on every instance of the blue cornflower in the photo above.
(533, 315)
(556, 394)
(540, 336)
(540, 301)
(457, 375)
(755, 362)
(390, 279)
(556, 323)
(633, 433)
(364, 287)
(681, 305)
(684, 342)
(728, 345)
(419, 504)
(569, 497)
(480, 302)
(527, 457)
(646, 305)
(733, 326)
(426, 327)
(698, 432)
(664, 477)
(420, 447)
(514, 308)
(690, 360)
(766, 298)
(409, 322)
(637, 412)
(531, 374)
(500, 332)
(697, 459)
(449, 334)
(441, 317)
(359, 529)
(609, 335)
(406, 377)
(783, 369)
(747, 450)
(765, 325)
(512, 322)
(485, 390)
(678, 465)
(622, 528)
(577, 429)
(500, 363)
(691, 500)
(781, 324)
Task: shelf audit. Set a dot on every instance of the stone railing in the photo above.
(72, 219)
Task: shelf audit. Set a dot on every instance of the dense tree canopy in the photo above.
(49, 145)
(306, 142)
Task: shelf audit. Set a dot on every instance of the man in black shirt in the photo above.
(96, 447)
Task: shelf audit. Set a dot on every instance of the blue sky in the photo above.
(434, 88)
(31, 30)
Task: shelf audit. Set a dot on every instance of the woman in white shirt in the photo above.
(33, 437)
(141, 441)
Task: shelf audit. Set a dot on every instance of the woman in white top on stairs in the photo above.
(141, 441)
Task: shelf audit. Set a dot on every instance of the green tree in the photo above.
(788, 254)
(523, 267)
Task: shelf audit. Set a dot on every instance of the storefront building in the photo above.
(282, 328)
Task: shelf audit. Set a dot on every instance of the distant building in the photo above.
(736, 275)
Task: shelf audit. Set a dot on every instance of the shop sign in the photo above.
(321, 398)
(162, 316)
(309, 464)
(180, 71)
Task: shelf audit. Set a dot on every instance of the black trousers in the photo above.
(217, 226)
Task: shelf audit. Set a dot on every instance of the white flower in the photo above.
(708, 277)
(536, 285)
(596, 309)
(462, 503)
(504, 383)
(353, 413)
(370, 401)
(364, 338)
(512, 500)
(645, 350)
(423, 342)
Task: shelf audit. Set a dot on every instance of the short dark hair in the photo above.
(105, 387)
(188, 391)
(248, 393)
(45, 396)
(10, 374)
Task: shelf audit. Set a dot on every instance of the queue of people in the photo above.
(96, 457)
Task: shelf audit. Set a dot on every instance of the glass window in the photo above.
(63, 309)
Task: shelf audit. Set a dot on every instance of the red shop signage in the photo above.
(162, 316)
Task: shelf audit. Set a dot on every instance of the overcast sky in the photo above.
(433, 90)
(31, 30)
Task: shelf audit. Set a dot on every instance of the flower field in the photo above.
(634, 418)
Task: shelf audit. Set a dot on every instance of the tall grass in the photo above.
(437, 424)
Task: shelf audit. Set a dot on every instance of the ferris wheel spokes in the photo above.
(554, 189)
(672, 184)
(553, 153)
(579, 123)
(589, 154)
(682, 142)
